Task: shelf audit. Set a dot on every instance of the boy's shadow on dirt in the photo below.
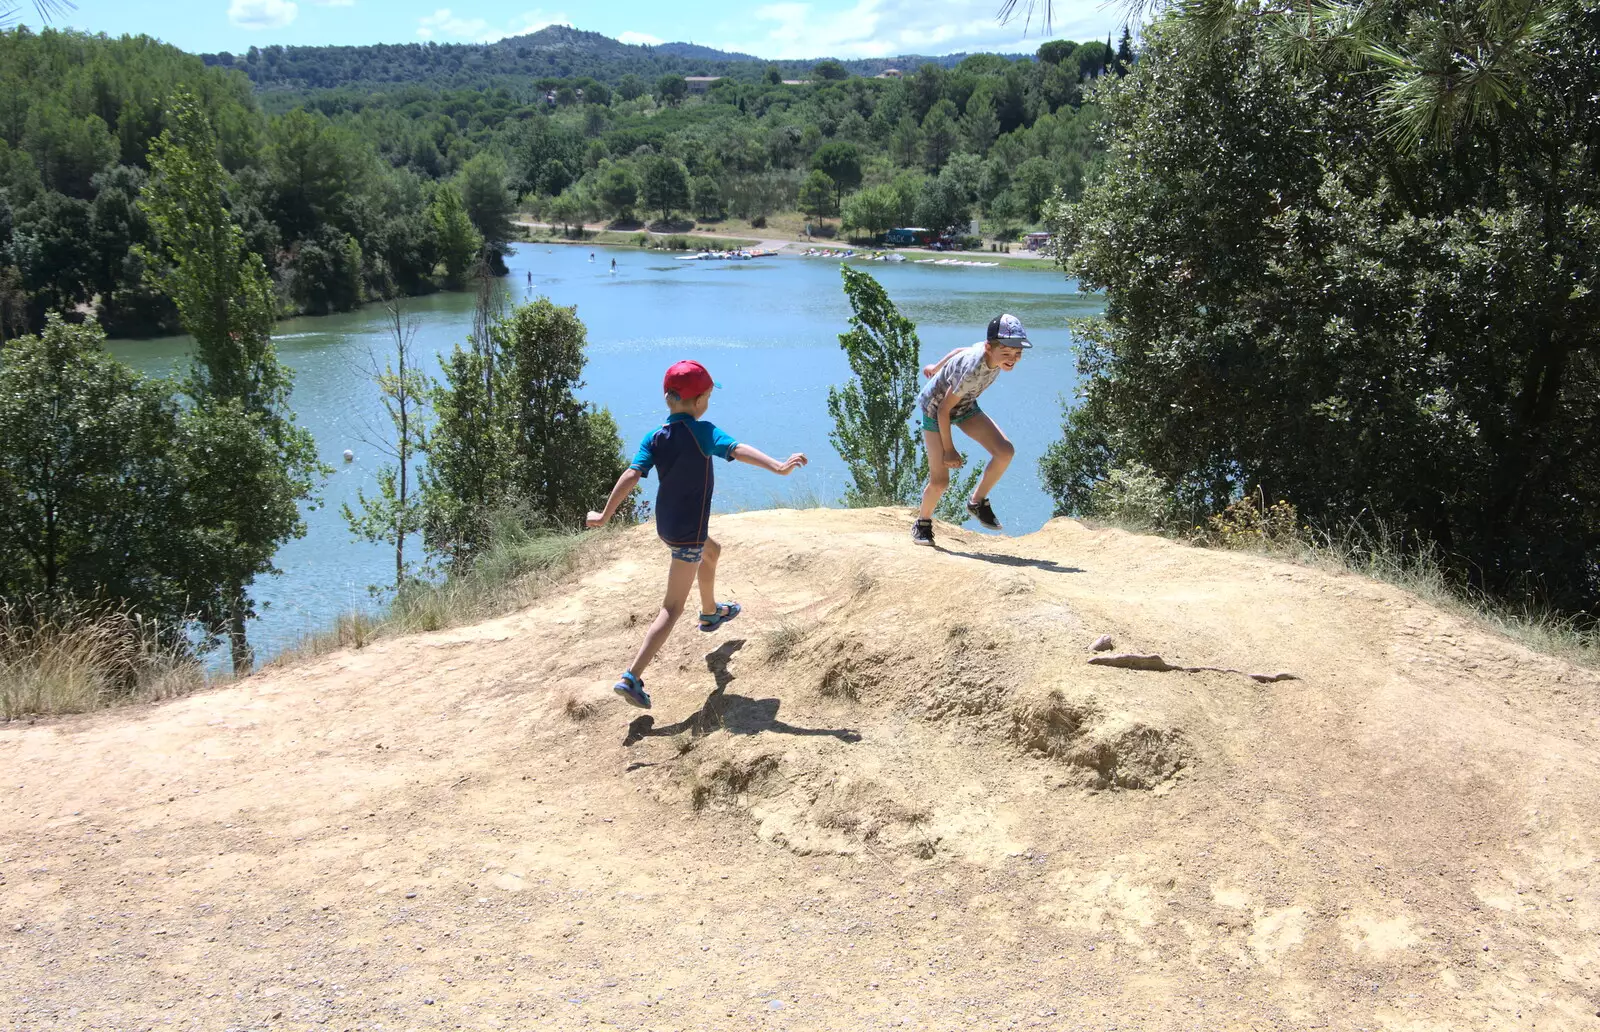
(1047, 565)
(736, 714)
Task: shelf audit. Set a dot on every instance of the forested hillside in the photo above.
(334, 222)
(352, 194)
(991, 137)
(555, 52)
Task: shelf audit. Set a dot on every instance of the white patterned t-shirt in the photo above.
(967, 374)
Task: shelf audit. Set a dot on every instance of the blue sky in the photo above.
(779, 28)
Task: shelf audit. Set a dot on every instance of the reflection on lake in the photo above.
(767, 329)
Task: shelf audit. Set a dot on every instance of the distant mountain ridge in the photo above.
(696, 52)
(553, 52)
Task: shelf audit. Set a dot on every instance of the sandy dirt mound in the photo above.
(893, 793)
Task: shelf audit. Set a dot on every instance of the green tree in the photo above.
(773, 76)
(830, 71)
(872, 413)
(511, 436)
(395, 513)
(1355, 305)
(671, 90)
(939, 135)
(618, 191)
(1036, 185)
(842, 163)
(568, 211)
(69, 150)
(875, 209)
(53, 247)
(666, 185)
(1056, 51)
(457, 242)
(489, 205)
(707, 198)
(816, 194)
(564, 452)
(630, 87)
(92, 478)
(325, 272)
(314, 169)
(1122, 63)
(979, 125)
(943, 205)
(905, 146)
(256, 466)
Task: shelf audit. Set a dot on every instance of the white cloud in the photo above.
(445, 24)
(888, 28)
(640, 39)
(262, 14)
(533, 21)
(334, 3)
(442, 23)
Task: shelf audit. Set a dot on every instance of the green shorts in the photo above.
(929, 423)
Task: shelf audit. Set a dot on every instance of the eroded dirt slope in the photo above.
(893, 793)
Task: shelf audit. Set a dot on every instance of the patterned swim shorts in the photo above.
(688, 553)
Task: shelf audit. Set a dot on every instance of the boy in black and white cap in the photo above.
(951, 399)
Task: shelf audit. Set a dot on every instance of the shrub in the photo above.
(1133, 497)
(1249, 522)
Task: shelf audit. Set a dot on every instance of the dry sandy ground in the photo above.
(893, 793)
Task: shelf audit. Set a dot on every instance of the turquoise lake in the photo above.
(767, 329)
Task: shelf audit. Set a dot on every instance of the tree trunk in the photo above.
(243, 659)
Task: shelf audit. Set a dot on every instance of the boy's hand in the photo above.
(791, 464)
(953, 459)
(929, 370)
(595, 519)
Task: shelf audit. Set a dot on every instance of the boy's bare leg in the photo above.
(982, 429)
(707, 576)
(938, 476)
(679, 579)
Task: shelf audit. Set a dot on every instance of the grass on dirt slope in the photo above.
(894, 793)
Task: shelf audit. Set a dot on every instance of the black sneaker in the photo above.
(985, 515)
(922, 532)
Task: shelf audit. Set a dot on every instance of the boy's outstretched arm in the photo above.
(930, 371)
(756, 457)
(624, 487)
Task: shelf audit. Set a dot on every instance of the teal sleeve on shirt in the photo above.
(713, 440)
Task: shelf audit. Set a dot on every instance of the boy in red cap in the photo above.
(681, 450)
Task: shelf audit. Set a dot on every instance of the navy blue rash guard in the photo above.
(681, 450)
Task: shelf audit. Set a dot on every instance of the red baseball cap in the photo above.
(688, 379)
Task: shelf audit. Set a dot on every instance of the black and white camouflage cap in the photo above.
(1007, 329)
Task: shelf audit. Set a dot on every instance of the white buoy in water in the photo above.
(349, 456)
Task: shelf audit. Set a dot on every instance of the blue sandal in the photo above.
(725, 611)
(631, 688)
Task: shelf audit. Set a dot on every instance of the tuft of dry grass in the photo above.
(841, 681)
(781, 642)
(350, 630)
(578, 708)
(78, 658)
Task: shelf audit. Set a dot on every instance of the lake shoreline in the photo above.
(790, 249)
